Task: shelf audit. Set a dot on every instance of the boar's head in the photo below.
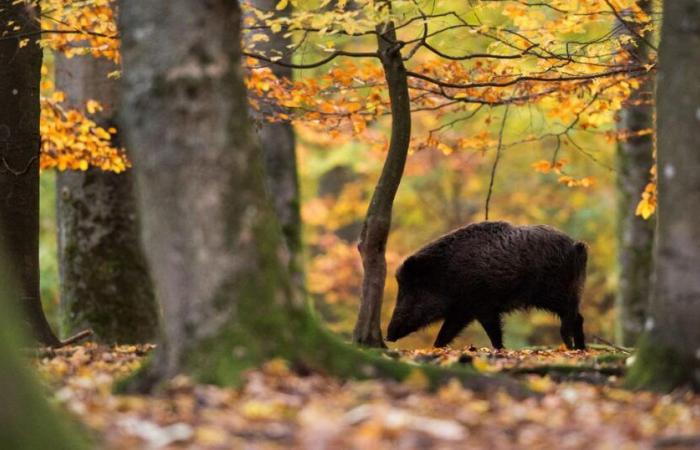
(417, 305)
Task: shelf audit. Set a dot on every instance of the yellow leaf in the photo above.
(645, 208)
(277, 367)
(281, 5)
(542, 166)
(483, 366)
(540, 384)
(93, 106)
(417, 379)
(83, 165)
(258, 410)
(260, 37)
(445, 149)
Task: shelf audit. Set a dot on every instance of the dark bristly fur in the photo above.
(484, 270)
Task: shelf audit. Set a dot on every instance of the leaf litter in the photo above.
(276, 408)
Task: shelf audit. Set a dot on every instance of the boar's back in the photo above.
(495, 258)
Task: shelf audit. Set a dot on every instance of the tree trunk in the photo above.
(218, 259)
(375, 230)
(20, 73)
(636, 235)
(104, 280)
(669, 354)
(26, 420)
(279, 149)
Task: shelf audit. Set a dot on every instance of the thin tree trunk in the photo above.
(375, 230)
(20, 73)
(636, 235)
(218, 259)
(279, 149)
(105, 285)
(669, 354)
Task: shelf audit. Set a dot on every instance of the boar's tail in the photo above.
(580, 261)
(581, 254)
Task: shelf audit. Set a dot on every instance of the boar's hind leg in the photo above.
(450, 329)
(579, 338)
(572, 331)
(494, 329)
(566, 332)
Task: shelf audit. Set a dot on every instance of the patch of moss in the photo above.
(658, 368)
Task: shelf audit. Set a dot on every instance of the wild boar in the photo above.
(484, 270)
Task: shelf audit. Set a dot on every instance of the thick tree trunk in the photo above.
(375, 230)
(279, 150)
(105, 284)
(218, 259)
(20, 73)
(636, 235)
(26, 420)
(669, 354)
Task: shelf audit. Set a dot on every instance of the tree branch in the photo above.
(313, 65)
(629, 27)
(495, 163)
(523, 78)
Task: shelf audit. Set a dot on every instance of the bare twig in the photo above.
(610, 344)
(560, 79)
(495, 163)
(629, 27)
(318, 63)
(687, 441)
(74, 339)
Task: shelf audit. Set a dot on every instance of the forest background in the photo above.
(446, 180)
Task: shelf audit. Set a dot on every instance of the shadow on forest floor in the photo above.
(277, 408)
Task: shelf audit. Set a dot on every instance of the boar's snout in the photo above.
(401, 322)
(393, 334)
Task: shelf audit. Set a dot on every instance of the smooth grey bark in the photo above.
(279, 146)
(635, 234)
(669, 355)
(104, 281)
(20, 74)
(375, 230)
(199, 179)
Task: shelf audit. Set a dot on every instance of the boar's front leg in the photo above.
(572, 331)
(566, 332)
(454, 323)
(494, 329)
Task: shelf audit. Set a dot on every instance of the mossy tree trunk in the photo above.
(26, 420)
(20, 73)
(279, 147)
(375, 230)
(104, 282)
(669, 354)
(636, 235)
(216, 252)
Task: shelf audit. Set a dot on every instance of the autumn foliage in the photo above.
(72, 138)
(562, 68)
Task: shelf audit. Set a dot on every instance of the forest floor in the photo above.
(579, 406)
